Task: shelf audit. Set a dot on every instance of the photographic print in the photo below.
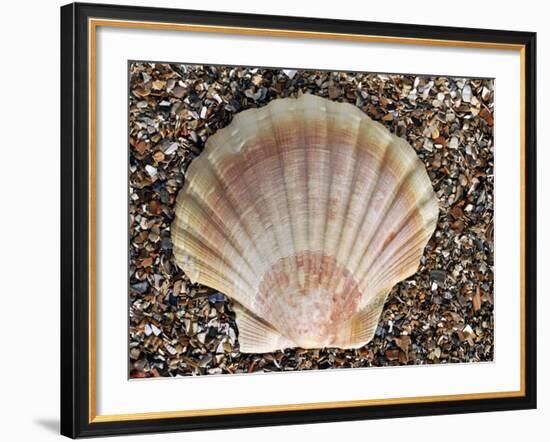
(259, 205)
(295, 219)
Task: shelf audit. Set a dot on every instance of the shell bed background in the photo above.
(442, 314)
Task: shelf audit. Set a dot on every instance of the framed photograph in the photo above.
(274, 220)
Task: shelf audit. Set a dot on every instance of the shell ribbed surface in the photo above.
(306, 213)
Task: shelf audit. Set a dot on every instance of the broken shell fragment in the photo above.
(306, 213)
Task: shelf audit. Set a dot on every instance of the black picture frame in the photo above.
(75, 221)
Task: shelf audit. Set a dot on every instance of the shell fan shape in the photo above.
(305, 213)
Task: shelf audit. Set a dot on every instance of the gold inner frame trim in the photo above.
(93, 24)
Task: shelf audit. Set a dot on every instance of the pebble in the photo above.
(216, 297)
(152, 171)
(148, 330)
(453, 143)
(438, 275)
(140, 287)
(171, 149)
(467, 94)
(290, 73)
(156, 331)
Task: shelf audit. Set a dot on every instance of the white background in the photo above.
(115, 395)
(29, 225)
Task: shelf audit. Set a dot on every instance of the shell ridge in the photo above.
(204, 266)
(398, 229)
(369, 318)
(280, 231)
(329, 192)
(335, 191)
(277, 302)
(317, 225)
(208, 275)
(295, 183)
(407, 260)
(302, 205)
(256, 199)
(307, 192)
(401, 259)
(283, 173)
(271, 205)
(193, 192)
(256, 335)
(214, 222)
(250, 243)
(354, 224)
(256, 184)
(373, 191)
(224, 152)
(363, 261)
(388, 201)
(359, 329)
(348, 204)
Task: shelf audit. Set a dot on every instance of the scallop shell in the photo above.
(306, 213)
